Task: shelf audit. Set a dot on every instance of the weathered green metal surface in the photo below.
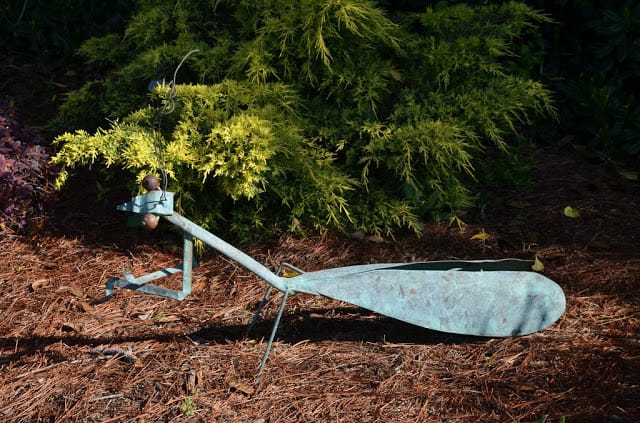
(483, 303)
(155, 202)
(479, 297)
(142, 283)
(227, 249)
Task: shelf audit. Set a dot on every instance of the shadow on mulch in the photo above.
(345, 325)
(309, 326)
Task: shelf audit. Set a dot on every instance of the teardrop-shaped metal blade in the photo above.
(470, 298)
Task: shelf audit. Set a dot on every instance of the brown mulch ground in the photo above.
(146, 359)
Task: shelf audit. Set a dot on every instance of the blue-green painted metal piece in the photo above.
(228, 250)
(495, 298)
(156, 202)
(142, 284)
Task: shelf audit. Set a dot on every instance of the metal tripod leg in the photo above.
(254, 320)
(257, 313)
(273, 334)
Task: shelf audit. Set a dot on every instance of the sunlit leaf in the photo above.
(629, 174)
(76, 291)
(40, 284)
(86, 307)
(571, 212)
(481, 236)
(289, 273)
(240, 386)
(537, 265)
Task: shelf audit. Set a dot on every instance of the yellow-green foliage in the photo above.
(237, 153)
(219, 142)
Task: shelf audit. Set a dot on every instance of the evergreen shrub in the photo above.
(324, 113)
(593, 63)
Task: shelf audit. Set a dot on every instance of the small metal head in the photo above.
(150, 221)
(150, 183)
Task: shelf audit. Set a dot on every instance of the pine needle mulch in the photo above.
(147, 359)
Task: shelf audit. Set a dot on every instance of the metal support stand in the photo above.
(273, 334)
(142, 283)
(256, 315)
(274, 330)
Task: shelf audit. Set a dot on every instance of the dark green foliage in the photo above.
(510, 168)
(48, 29)
(594, 62)
(38, 44)
(330, 112)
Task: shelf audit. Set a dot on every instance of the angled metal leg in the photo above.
(273, 334)
(257, 313)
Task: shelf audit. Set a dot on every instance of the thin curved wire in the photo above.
(167, 107)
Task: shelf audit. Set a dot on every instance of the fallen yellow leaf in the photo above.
(537, 265)
(571, 212)
(289, 273)
(481, 236)
(40, 284)
(86, 307)
(628, 174)
(76, 291)
(243, 387)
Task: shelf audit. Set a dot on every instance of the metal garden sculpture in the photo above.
(494, 298)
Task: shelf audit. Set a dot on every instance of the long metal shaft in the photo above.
(228, 250)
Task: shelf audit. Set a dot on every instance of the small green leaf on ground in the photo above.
(537, 265)
(571, 212)
(628, 174)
